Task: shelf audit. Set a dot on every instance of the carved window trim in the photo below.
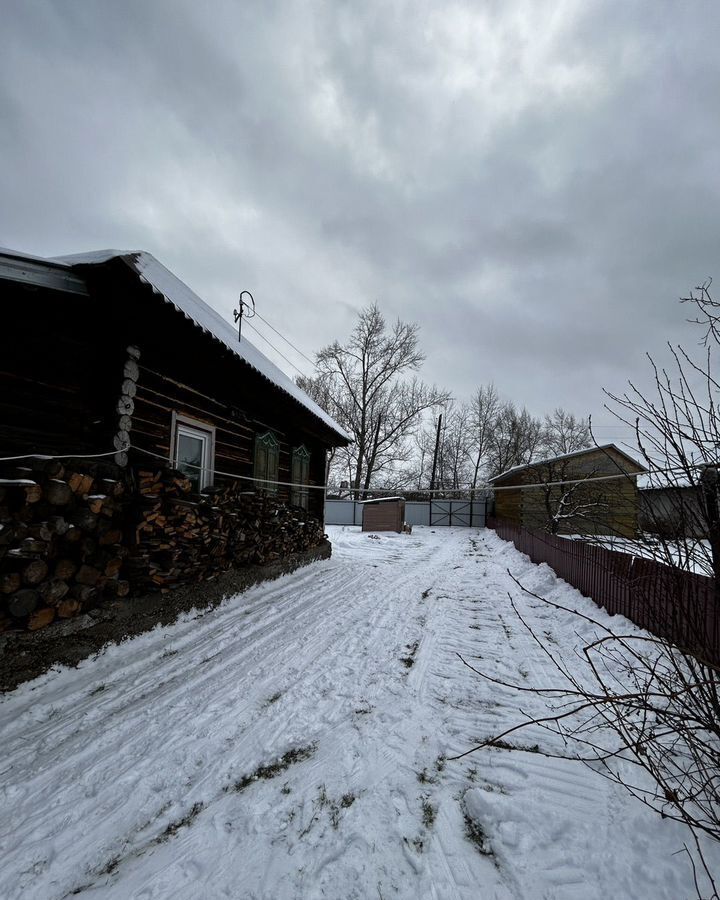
(267, 462)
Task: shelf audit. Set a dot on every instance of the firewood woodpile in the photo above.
(61, 542)
(182, 537)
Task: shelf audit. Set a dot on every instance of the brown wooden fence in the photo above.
(667, 601)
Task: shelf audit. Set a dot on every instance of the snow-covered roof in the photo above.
(176, 292)
(543, 462)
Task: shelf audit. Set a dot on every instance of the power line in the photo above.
(296, 349)
(279, 352)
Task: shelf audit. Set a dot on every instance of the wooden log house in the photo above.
(572, 493)
(109, 353)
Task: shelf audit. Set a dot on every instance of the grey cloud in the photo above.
(534, 186)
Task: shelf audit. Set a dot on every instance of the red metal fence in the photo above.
(667, 601)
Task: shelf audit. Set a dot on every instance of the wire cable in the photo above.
(287, 341)
(321, 487)
(63, 456)
(279, 352)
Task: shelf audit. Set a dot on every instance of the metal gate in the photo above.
(453, 512)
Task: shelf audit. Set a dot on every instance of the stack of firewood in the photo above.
(61, 542)
(182, 538)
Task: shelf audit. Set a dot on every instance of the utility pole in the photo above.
(371, 458)
(435, 456)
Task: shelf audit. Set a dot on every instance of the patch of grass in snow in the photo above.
(274, 699)
(440, 762)
(364, 710)
(98, 690)
(409, 660)
(494, 788)
(424, 778)
(272, 770)
(475, 834)
(346, 801)
(186, 820)
(425, 594)
(333, 807)
(109, 868)
(429, 813)
(285, 789)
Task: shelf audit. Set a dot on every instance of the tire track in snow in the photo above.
(313, 656)
(163, 684)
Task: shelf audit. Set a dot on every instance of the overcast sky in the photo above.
(534, 183)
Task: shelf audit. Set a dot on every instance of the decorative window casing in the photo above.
(267, 461)
(193, 450)
(300, 475)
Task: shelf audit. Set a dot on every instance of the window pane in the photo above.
(190, 457)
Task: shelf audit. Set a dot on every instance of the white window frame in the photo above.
(184, 425)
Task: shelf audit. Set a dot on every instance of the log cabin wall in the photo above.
(185, 371)
(60, 373)
(77, 533)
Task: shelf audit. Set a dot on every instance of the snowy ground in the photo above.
(339, 688)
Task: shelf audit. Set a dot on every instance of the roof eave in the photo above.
(544, 462)
(132, 259)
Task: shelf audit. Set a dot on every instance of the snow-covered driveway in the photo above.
(292, 743)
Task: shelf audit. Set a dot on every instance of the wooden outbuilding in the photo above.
(113, 363)
(591, 491)
(383, 514)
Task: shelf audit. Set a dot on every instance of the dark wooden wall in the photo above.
(186, 371)
(60, 373)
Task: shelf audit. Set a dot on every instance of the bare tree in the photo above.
(516, 439)
(564, 433)
(659, 701)
(363, 385)
(453, 454)
(570, 502)
(484, 410)
(677, 432)
(637, 705)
